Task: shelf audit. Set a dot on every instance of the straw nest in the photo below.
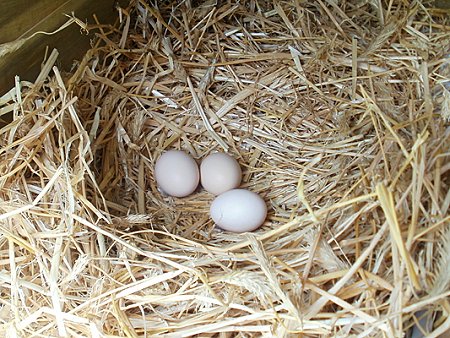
(335, 111)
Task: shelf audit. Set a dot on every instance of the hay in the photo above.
(338, 116)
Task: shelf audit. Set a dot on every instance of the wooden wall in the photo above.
(21, 18)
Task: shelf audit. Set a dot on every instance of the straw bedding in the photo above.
(338, 114)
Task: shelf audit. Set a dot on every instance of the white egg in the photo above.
(219, 172)
(177, 173)
(238, 210)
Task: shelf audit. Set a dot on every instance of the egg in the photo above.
(219, 172)
(238, 210)
(177, 173)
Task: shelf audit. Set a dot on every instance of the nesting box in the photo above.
(336, 112)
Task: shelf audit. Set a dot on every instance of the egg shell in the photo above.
(177, 173)
(219, 172)
(238, 210)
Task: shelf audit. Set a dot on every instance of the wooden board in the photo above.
(21, 18)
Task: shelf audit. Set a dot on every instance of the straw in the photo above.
(338, 116)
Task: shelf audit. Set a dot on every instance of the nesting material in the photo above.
(338, 116)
